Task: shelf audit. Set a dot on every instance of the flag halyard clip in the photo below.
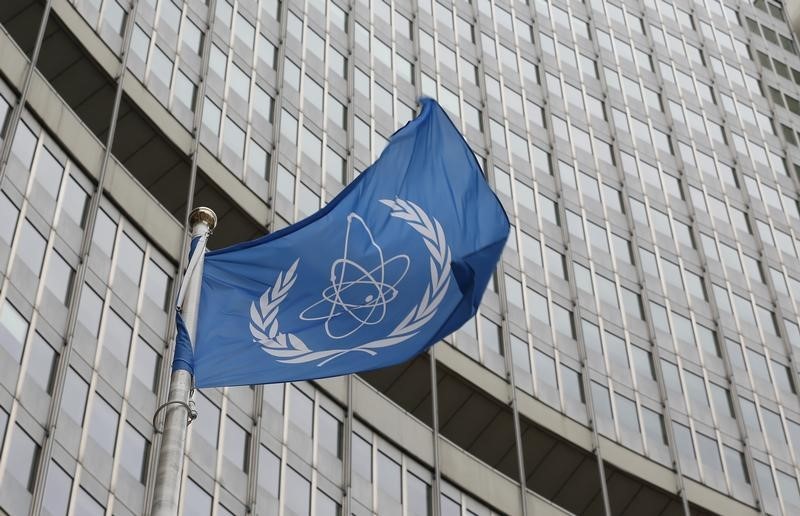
(190, 408)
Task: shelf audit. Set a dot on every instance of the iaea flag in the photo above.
(394, 263)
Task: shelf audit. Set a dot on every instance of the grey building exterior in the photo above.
(635, 354)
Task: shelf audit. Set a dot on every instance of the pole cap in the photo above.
(203, 215)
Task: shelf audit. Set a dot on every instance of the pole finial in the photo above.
(203, 214)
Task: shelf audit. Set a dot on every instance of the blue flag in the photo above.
(395, 262)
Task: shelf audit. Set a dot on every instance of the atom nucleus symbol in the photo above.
(357, 295)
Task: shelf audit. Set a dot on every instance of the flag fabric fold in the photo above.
(395, 262)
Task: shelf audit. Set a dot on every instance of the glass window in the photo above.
(335, 166)
(237, 444)
(192, 37)
(685, 446)
(783, 377)
(758, 365)
(245, 32)
(258, 160)
(73, 401)
(196, 500)
(298, 493)
(362, 457)
(134, 453)
(330, 433)
(737, 467)
(57, 489)
(654, 428)
(563, 321)
(789, 491)
(90, 309)
(449, 507)
(185, 90)
(419, 496)
(643, 363)
(59, 278)
(389, 477)
(491, 336)
(30, 248)
(8, 218)
(48, 172)
(696, 392)
(161, 67)
(103, 424)
(87, 505)
(23, 454)
(239, 82)
(146, 364)
(301, 410)
(104, 233)
(712, 465)
(325, 506)
(572, 384)
(24, 144)
(17, 327)
(42, 363)
(269, 471)
(117, 337)
(602, 407)
(207, 425)
(158, 284)
(212, 116)
(545, 370)
(234, 137)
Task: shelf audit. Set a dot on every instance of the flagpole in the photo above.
(173, 441)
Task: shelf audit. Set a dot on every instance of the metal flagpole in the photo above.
(178, 411)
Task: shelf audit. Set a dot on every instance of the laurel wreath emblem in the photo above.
(290, 349)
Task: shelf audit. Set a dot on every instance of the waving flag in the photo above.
(394, 263)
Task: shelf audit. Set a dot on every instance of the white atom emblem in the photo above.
(359, 292)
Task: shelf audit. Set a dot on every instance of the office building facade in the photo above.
(635, 353)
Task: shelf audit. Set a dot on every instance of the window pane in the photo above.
(117, 337)
(103, 424)
(86, 505)
(237, 443)
(30, 248)
(23, 454)
(269, 471)
(195, 500)
(362, 458)
(75, 202)
(207, 423)
(325, 506)
(90, 309)
(8, 218)
(298, 495)
(49, 172)
(41, 363)
(59, 278)
(134, 452)
(73, 402)
(158, 285)
(389, 477)
(301, 412)
(146, 364)
(16, 327)
(105, 231)
(419, 496)
(330, 433)
(129, 258)
(56, 491)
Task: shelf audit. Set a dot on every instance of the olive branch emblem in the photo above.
(290, 349)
